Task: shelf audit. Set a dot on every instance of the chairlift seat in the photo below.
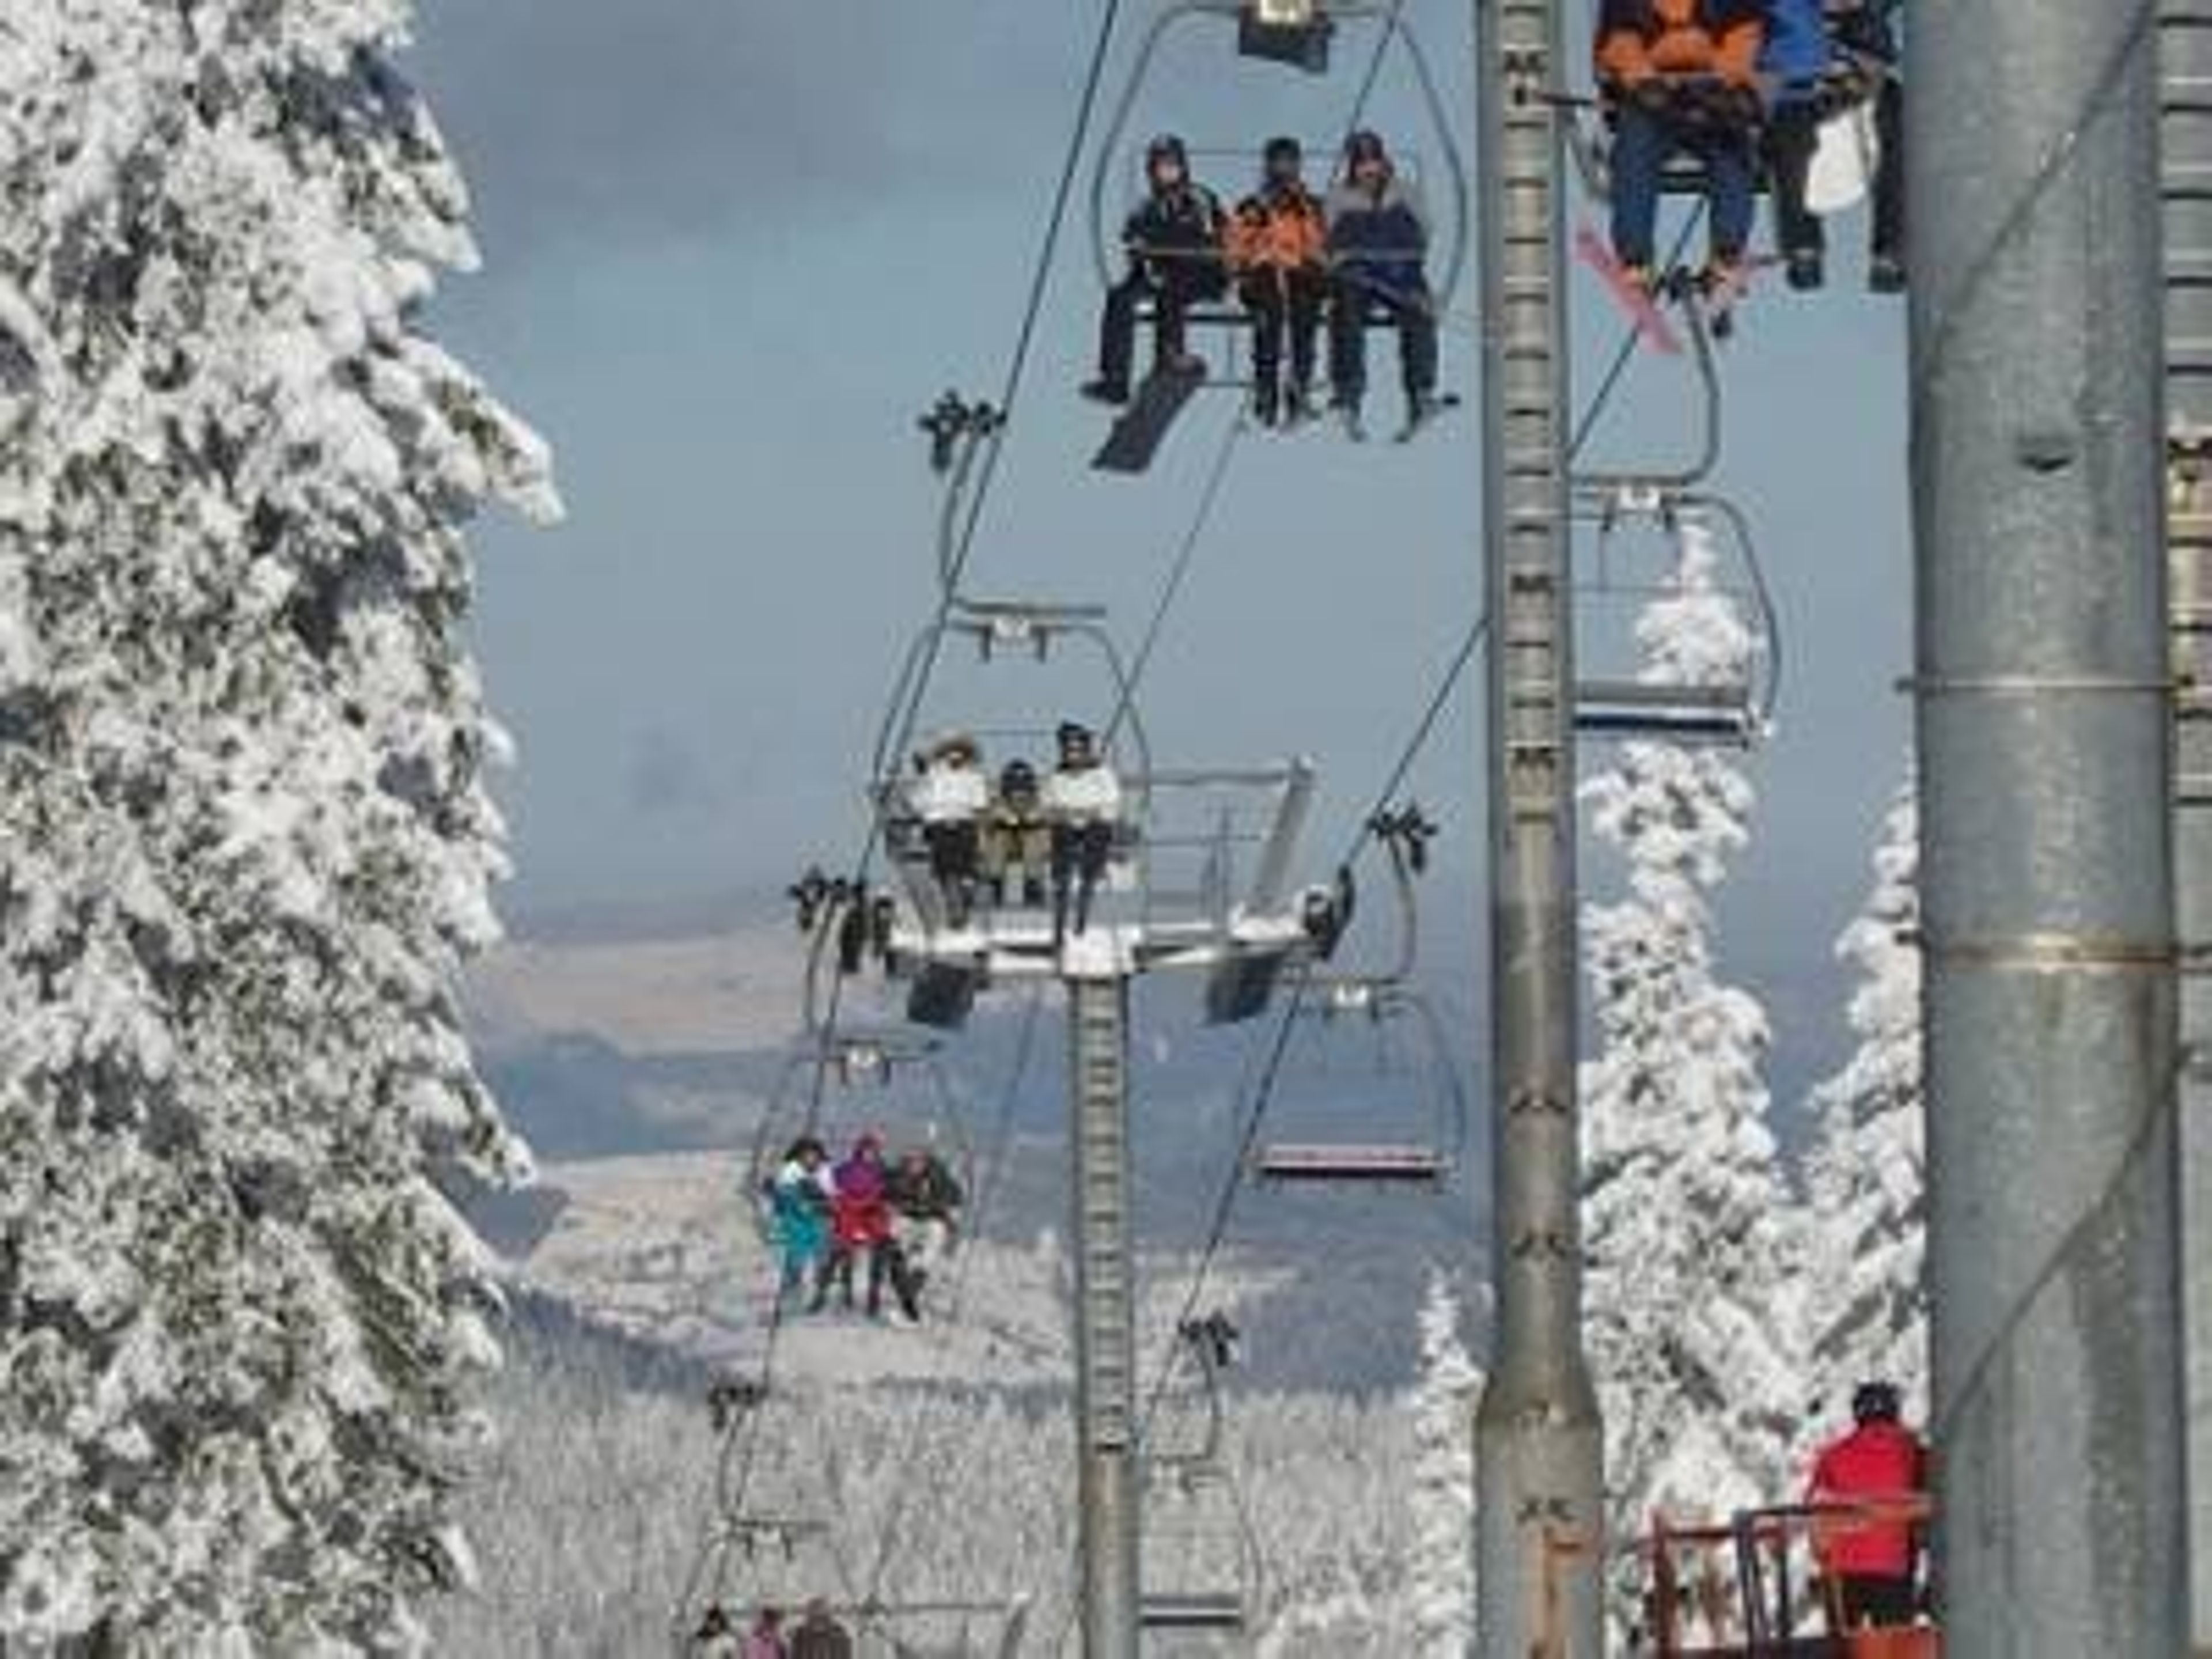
(1353, 1165)
(1678, 713)
(1197, 1610)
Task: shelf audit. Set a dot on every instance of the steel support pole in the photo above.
(1105, 1323)
(2185, 186)
(2043, 710)
(1538, 1445)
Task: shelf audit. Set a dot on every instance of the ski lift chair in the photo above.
(1295, 31)
(1389, 1001)
(1619, 705)
(948, 964)
(1201, 1560)
(835, 1084)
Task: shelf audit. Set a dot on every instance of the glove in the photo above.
(1719, 103)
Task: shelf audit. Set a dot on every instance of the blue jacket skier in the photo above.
(1820, 61)
(1378, 249)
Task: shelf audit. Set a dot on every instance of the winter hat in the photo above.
(1365, 145)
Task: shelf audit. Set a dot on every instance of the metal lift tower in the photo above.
(1538, 1442)
(2043, 688)
(2185, 184)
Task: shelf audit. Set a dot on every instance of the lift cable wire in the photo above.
(1217, 475)
(1270, 1068)
(2097, 104)
(956, 566)
(990, 1181)
(742, 1427)
(1209, 497)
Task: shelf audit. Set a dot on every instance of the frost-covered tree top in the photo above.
(244, 840)
(1442, 1571)
(1867, 1296)
(1692, 1323)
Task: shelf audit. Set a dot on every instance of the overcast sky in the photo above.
(733, 248)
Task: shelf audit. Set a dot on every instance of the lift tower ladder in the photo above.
(1537, 1432)
(2185, 192)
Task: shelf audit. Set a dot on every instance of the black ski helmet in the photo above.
(1282, 158)
(1166, 147)
(1877, 1402)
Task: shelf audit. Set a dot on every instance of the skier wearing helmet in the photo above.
(1378, 242)
(1869, 1559)
(1278, 239)
(1174, 244)
(1082, 802)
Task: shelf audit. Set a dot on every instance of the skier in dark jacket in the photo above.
(1378, 244)
(1680, 76)
(1822, 60)
(819, 1636)
(1174, 244)
(1278, 242)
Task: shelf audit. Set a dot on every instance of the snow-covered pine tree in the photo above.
(244, 840)
(1442, 1570)
(1691, 1246)
(1867, 1307)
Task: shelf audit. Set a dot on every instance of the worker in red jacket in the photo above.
(1869, 1560)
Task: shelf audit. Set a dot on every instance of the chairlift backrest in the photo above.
(1617, 697)
(1420, 1105)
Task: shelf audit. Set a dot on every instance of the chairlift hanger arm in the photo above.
(1678, 480)
(1770, 618)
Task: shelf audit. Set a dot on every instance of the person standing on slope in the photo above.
(1876, 1476)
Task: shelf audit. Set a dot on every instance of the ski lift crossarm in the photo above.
(1355, 1165)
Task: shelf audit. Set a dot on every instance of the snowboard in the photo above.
(1135, 439)
(1651, 322)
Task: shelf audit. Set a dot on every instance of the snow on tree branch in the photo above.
(1694, 1327)
(248, 840)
